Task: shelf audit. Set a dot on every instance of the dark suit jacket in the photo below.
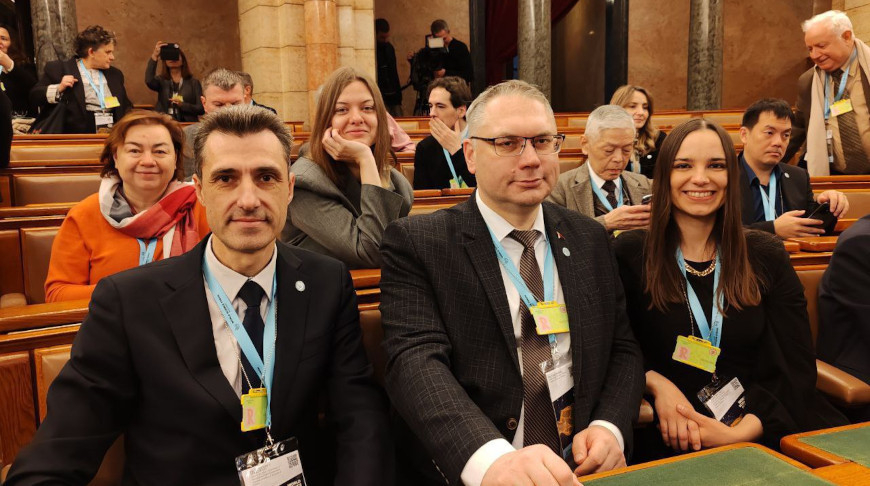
(273, 110)
(430, 166)
(844, 309)
(191, 90)
(457, 62)
(796, 194)
(453, 372)
(78, 119)
(18, 84)
(144, 364)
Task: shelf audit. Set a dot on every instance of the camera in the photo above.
(170, 52)
(423, 66)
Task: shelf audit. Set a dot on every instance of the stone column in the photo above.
(364, 37)
(321, 40)
(706, 32)
(54, 30)
(533, 43)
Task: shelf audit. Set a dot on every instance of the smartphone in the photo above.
(170, 52)
(823, 213)
(646, 199)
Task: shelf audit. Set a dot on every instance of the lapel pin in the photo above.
(300, 285)
(566, 251)
(786, 175)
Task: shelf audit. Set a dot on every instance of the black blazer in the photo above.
(452, 371)
(78, 119)
(144, 364)
(430, 166)
(273, 110)
(796, 194)
(844, 312)
(18, 84)
(191, 91)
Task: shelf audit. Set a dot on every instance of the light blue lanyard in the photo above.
(842, 89)
(98, 88)
(264, 370)
(710, 333)
(769, 200)
(603, 198)
(450, 159)
(526, 295)
(146, 255)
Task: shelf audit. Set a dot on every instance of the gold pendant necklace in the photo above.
(702, 273)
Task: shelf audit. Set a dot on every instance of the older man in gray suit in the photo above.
(493, 394)
(601, 188)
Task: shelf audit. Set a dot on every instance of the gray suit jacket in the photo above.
(574, 190)
(323, 218)
(187, 155)
(452, 371)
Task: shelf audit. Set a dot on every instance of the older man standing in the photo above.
(602, 188)
(832, 105)
(503, 366)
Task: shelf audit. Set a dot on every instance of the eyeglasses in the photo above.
(513, 146)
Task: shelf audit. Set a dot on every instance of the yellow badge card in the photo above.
(550, 318)
(696, 352)
(840, 107)
(112, 102)
(458, 183)
(177, 97)
(254, 409)
(2, 86)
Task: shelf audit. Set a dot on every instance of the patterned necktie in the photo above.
(252, 294)
(853, 149)
(540, 420)
(610, 187)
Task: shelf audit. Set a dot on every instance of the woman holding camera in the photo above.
(178, 93)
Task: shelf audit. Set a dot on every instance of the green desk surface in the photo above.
(746, 466)
(853, 444)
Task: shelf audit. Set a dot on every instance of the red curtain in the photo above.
(501, 33)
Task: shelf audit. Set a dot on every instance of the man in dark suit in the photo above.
(777, 197)
(248, 85)
(457, 60)
(463, 355)
(157, 360)
(99, 98)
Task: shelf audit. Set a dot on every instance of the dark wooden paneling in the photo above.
(17, 412)
(11, 277)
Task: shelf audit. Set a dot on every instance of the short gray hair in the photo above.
(837, 20)
(239, 120)
(247, 80)
(222, 78)
(607, 117)
(514, 87)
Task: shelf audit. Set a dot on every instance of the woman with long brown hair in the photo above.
(638, 102)
(719, 312)
(178, 93)
(346, 190)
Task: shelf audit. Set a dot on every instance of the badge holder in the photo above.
(725, 399)
(104, 121)
(277, 464)
(551, 318)
(458, 183)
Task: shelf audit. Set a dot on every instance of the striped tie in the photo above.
(610, 187)
(853, 148)
(540, 420)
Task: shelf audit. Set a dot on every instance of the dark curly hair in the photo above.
(93, 37)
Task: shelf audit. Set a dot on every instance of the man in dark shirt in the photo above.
(439, 161)
(388, 74)
(777, 197)
(457, 62)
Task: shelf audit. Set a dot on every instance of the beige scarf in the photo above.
(817, 145)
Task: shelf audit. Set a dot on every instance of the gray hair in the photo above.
(514, 87)
(607, 117)
(247, 80)
(222, 78)
(239, 120)
(837, 20)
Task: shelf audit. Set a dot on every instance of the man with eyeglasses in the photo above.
(502, 366)
(602, 188)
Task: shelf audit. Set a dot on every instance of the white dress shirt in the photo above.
(476, 467)
(224, 342)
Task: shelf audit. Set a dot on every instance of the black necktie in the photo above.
(252, 294)
(853, 148)
(540, 421)
(610, 187)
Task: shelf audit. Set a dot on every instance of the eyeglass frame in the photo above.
(492, 140)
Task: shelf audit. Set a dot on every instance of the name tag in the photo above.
(458, 183)
(104, 121)
(254, 409)
(276, 465)
(841, 107)
(725, 400)
(112, 102)
(696, 352)
(550, 318)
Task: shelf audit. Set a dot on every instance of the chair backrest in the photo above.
(811, 279)
(408, 171)
(373, 335)
(11, 276)
(53, 188)
(56, 151)
(36, 254)
(568, 164)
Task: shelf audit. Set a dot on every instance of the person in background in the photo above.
(457, 62)
(439, 161)
(248, 84)
(5, 131)
(99, 99)
(639, 104)
(142, 212)
(346, 190)
(178, 92)
(17, 75)
(388, 74)
(697, 284)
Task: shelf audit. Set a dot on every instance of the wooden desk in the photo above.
(813, 456)
(816, 243)
(847, 474)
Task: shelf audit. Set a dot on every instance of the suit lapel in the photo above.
(583, 191)
(78, 88)
(186, 310)
(481, 253)
(793, 196)
(748, 199)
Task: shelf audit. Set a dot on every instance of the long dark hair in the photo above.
(738, 283)
(15, 53)
(185, 68)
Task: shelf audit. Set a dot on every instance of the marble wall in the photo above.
(409, 24)
(207, 30)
